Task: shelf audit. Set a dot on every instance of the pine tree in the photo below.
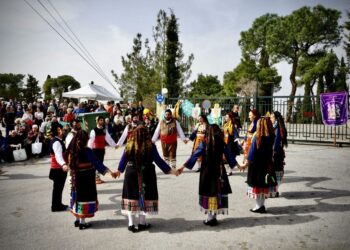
(32, 90)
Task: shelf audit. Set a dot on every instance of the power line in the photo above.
(52, 27)
(82, 48)
(96, 68)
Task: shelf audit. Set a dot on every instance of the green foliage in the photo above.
(11, 86)
(54, 87)
(137, 80)
(146, 73)
(238, 80)
(205, 86)
(254, 46)
(340, 79)
(32, 91)
(300, 34)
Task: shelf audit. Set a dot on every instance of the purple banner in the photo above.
(334, 108)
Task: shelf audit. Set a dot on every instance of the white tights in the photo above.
(132, 219)
(260, 201)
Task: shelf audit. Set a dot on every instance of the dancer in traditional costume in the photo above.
(168, 130)
(140, 192)
(59, 167)
(253, 117)
(97, 142)
(214, 185)
(279, 145)
(231, 137)
(261, 178)
(83, 165)
(198, 136)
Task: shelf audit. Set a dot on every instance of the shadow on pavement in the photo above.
(180, 225)
(21, 176)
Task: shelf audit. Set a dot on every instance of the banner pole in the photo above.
(335, 136)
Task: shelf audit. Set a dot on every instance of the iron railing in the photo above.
(305, 123)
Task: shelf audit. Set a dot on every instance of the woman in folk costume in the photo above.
(214, 185)
(140, 192)
(231, 136)
(279, 145)
(253, 117)
(261, 178)
(198, 136)
(83, 165)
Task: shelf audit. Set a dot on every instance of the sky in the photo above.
(210, 29)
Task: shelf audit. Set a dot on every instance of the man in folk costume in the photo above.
(168, 130)
(59, 168)
(97, 142)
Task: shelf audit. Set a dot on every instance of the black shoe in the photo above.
(142, 227)
(198, 170)
(277, 194)
(60, 208)
(212, 222)
(260, 210)
(76, 223)
(83, 226)
(229, 174)
(133, 229)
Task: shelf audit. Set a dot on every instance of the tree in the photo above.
(347, 39)
(340, 79)
(299, 34)
(145, 73)
(32, 90)
(245, 73)
(137, 80)
(254, 46)
(176, 71)
(54, 87)
(205, 86)
(11, 86)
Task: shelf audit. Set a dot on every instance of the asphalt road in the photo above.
(313, 211)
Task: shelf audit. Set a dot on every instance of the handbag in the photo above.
(37, 146)
(19, 154)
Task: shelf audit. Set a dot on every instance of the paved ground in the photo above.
(313, 211)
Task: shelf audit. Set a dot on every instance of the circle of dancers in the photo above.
(213, 148)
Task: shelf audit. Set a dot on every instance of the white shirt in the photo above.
(57, 149)
(123, 136)
(39, 115)
(108, 139)
(180, 132)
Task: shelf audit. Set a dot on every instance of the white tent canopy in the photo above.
(92, 91)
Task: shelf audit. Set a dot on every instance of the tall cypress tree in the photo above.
(172, 73)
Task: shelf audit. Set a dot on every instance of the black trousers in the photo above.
(99, 153)
(58, 176)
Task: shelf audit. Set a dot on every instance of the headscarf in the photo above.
(139, 147)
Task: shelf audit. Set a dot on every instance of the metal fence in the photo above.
(304, 124)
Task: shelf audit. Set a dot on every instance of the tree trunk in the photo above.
(293, 91)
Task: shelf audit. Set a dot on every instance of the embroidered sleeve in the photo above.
(193, 158)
